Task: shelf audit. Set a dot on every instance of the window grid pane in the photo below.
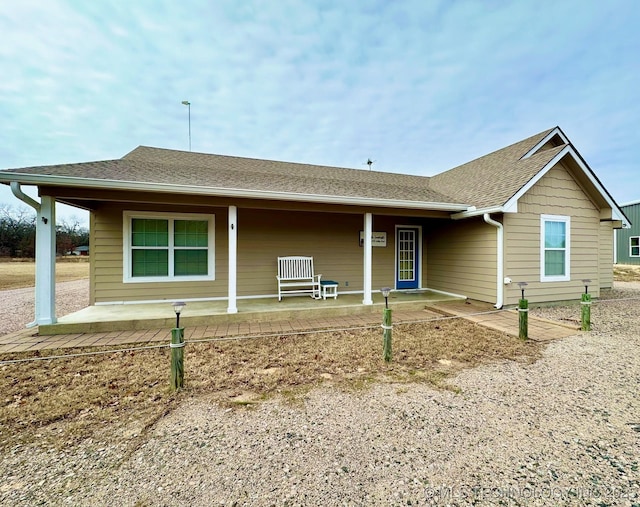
(191, 233)
(190, 262)
(555, 236)
(554, 262)
(406, 252)
(634, 243)
(150, 262)
(149, 232)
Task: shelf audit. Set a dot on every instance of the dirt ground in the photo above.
(19, 274)
(62, 400)
(626, 273)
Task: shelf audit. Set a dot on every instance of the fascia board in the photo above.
(545, 140)
(29, 179)
(477, 212)
(616, 212)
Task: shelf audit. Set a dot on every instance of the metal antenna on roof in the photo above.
(188, 104)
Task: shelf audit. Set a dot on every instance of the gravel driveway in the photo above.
(17, 305)
(564, 430)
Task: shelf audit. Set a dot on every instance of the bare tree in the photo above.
(18, 232)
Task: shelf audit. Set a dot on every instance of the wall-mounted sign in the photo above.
(377, 238)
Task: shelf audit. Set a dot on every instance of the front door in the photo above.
(408, 258)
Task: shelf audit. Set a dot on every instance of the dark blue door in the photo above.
(408, 258)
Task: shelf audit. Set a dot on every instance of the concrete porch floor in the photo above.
(129, 317)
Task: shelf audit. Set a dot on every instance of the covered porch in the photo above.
(140, 316)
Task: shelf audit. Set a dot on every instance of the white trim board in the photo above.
(555, 132)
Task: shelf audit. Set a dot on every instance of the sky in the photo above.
(417, 86)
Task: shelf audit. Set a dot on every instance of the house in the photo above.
(81, 251)
(627, 241)
(167, 225)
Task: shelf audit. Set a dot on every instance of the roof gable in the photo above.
(553, 139)
(491, 180)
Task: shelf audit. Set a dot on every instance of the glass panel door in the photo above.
(407, 267)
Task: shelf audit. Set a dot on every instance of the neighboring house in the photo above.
(81, 250)
(169, 225)
(627, 241)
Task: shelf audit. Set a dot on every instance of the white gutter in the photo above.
(472, 211)
(68, 181)
(17, 191)
(500, 262)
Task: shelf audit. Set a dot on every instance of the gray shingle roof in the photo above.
(237, 172)
(493, 179)
(487, 181)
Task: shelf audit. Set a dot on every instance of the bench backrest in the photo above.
(295, 268)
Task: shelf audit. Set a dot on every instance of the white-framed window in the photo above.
(634, 246)
(168, 247)
(555, 252)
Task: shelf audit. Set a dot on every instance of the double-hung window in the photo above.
(634, 246)
(178, 247)
(555, 234)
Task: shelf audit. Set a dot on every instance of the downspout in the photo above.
(45, 291)
(500, 262)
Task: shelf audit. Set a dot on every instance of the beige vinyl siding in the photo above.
(557, 193)
(331, 239)
(606, 255)
(384, 258)
(462, 258)
(107, 258)
(263, 235)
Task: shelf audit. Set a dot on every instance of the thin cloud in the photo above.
(417, 86)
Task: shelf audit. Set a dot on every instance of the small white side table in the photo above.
(329, 289)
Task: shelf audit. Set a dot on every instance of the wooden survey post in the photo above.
(585, 304)
(177, 358)
(523, 314)
(386, 340)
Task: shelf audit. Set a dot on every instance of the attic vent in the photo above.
(552, 140)
(551, 143)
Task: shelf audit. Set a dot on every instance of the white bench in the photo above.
(296, 276)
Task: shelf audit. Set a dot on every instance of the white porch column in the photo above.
(233, 257)
(368, 231)
(45, 262)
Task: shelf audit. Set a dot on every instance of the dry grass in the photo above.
(626, 273)
(18, 274)
(62, 400)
